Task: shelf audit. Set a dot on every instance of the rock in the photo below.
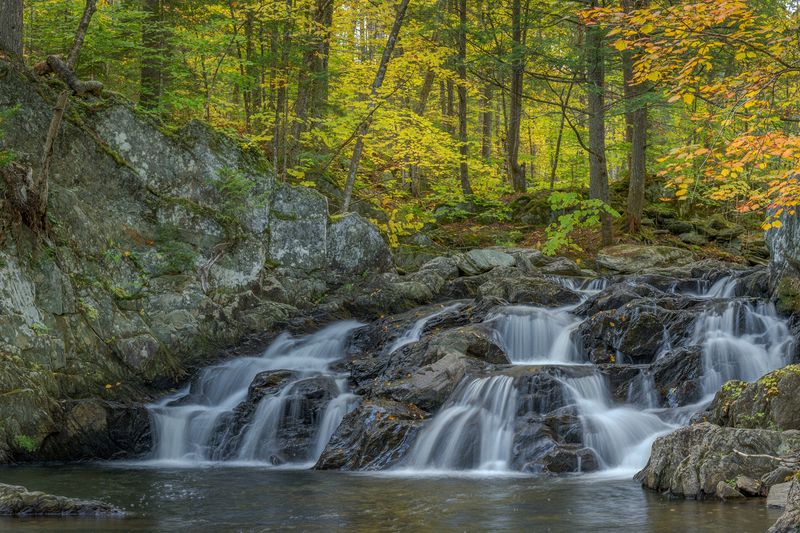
(778, 494)
(769, 403)
(726, 492)
(528, 291)
(789, 522)
(780, 475)
(693, 238)
(676, 226)
(19, 501)
(693, 460)
(482, 260)
(749, 486)
(355, 247)
(677, 376)
(375, 436)
(635, 258)
(298, 229)
(615, 296)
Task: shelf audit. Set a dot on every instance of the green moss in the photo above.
(788, 294)
(24, 442)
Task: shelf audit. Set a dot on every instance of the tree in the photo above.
(363, 128)
(28, 191)
(515, 170)
(151, 77)
(598, 170)
(636, 131)
(312, 86)
(463, 147)
(11, 27)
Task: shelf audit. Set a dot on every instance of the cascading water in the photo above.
(413, 335)
(537, 335)
(741, 340)
(191, 425)
(474, 430)
(620, 435)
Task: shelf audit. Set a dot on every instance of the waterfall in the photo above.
(620, 435)
(193, 424)
(741, 340)
(537, 335)
(474, 430)
(415, 333)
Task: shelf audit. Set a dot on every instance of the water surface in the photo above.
(224, 499)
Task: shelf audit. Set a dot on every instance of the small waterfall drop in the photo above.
(741, 340)
(474, 430)
(415, 332)
(537, 335)
(620, 435)
(193, 425)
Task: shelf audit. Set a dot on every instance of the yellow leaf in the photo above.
(777, 224)
(688, 98)
(621, 45)
(681, 192)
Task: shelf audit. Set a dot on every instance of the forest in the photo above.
(414, 106)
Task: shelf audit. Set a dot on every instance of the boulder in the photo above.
(727, 492)
(693, 460)
(355, 247)
(298, 229)
(749, 486)
(19, 501)
(778, 495)
(374, 436)
(482, 260)
(539, 292)
(789, 522)
(769, 403)
(636, 258)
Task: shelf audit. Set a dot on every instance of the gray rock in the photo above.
(298, 229)
(355, 247)
(635, 258)
(749, 486)
(482, 260)
(726, 492)
(693, 460)
(778, 495)
(789, 522)
(19, 501)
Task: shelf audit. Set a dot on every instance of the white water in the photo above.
(741, 340)
(538, 335)
(620, 435)
(415, 333)
(185, 424)
(474, 431)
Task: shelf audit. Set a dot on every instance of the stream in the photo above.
(234, 449)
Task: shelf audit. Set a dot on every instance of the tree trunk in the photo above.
(516, 173)
(151, 73)
(422, 103)
(557, 154)
(11, 27)
(598, 171)
(463, 147)
(376, 85)
(254, 93)
(312, 87)
(635, 133)
(486, 123)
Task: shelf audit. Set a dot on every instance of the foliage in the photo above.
(578, 213)
(6, 156)
(24, 442)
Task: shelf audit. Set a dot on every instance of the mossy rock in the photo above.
(788, 294)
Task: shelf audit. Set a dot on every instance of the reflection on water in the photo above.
(231, 499)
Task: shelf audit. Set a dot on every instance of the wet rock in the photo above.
(615, 296)
(749, 486)
(97, 429)
(778, 495)
(634, 258)
(789, 522)
(565, 459)
(777, 476)
(726, 492)
(374, 436)
(770, 402)
(677, 376)
(693, 460)
(19, 501)
(693, 238)
(529, 291)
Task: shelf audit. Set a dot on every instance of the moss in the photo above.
(24, 442)
(788, 294)
(282, 216)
